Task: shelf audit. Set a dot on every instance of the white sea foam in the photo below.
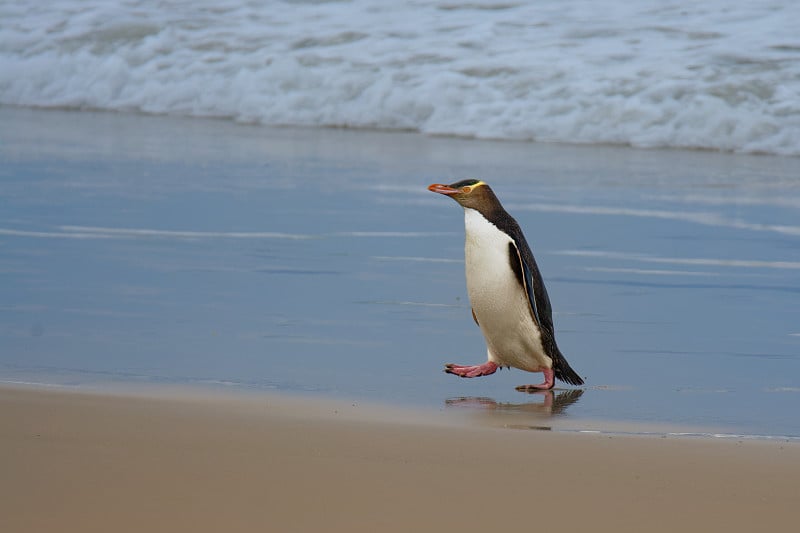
(145, 232)
(90, 232)
(695, 261)
(391, 234)
(416, 259)
(696, 217)
(95, 232)
(720, 74)
(649, 271)
(413, 304)
(51, 234)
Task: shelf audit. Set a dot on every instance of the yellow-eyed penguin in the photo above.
(506, 291)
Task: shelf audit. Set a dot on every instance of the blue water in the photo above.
(718, 74)
(140, 249)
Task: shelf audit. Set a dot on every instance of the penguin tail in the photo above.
(565, 373)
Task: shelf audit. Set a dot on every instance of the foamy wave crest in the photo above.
(718, 75)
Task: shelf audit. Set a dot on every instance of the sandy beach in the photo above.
(87, 462)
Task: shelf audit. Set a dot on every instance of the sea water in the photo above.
(141, 250)
(718, 74)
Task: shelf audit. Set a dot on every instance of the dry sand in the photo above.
(175, 462)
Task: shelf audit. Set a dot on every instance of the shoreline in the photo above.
(97, 462)
(465, 413)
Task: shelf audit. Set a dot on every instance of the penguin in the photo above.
(506, 291)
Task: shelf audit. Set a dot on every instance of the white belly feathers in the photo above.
(499, 302)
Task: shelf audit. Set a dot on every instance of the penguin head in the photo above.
(470, 193)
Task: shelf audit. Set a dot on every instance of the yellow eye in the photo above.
(466, 190)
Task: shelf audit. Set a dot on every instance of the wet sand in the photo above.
(188, 462)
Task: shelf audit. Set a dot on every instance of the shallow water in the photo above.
(139, 249)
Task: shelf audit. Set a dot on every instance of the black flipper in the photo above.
(527, 272)
(524, 277)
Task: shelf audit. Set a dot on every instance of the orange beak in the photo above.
(443, 189)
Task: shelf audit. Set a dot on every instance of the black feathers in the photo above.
(530, 279)
(523, 275)
(463, 183)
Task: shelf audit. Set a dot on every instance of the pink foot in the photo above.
(472, 371)
(549, 381)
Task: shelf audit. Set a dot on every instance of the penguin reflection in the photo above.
(553, 404)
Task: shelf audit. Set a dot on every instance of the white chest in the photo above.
(498, 300)
(485, 254)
